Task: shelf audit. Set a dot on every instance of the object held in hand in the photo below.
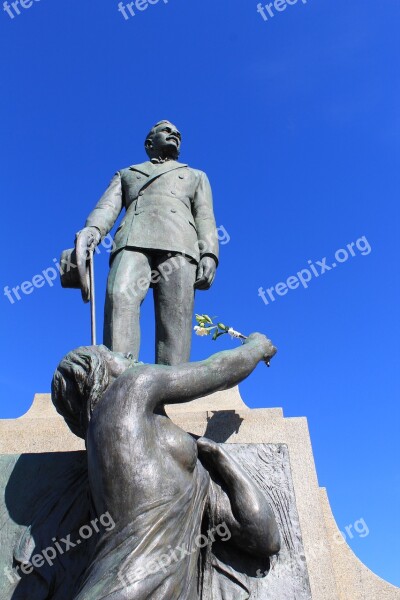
(206, 326)
(77, 272)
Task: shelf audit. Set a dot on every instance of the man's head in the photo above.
(163, 141)
(80, 380)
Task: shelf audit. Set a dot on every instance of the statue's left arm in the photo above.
(203, 214)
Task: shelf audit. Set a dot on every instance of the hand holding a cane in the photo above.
(77, 270)
(89, 238)
(86, 241)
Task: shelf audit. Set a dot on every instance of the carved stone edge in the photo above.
(354, 579)
(335, 574)
(42, 429)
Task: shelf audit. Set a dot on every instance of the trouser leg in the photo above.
(123, 300)
(173, 302)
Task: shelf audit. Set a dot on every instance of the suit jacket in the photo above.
(168, 207)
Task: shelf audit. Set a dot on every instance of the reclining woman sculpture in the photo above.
(162, 487)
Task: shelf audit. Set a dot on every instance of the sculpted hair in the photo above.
(152, 130)
(78, 383)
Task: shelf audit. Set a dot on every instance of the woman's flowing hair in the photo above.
(78, 383)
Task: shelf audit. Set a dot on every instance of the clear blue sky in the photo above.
(296, 122)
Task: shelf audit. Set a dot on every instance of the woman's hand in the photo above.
(266, 346)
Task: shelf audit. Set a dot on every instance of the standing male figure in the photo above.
(167, 240)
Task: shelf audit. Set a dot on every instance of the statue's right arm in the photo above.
(239, 503)
(221, 371)
(106, 211)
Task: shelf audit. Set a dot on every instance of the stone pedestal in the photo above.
(312, 562)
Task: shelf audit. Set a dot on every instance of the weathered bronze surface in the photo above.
(163, 488)
(167, 240)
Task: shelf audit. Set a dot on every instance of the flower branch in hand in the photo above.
(206, 326)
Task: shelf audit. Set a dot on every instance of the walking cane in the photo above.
(92, 299)
(78, 273)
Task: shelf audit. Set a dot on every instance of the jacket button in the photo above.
(173, 210)
(173, 193)
(138, 177)
(181, 177)
(141, 193)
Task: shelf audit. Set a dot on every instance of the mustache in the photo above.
(173, 137)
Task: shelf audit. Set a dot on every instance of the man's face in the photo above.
(166, 140)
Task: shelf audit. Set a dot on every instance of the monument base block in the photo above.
(314, 562)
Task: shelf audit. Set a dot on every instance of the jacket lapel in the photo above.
(154, 171)
(145, 168)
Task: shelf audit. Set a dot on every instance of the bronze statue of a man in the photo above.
(167, 240)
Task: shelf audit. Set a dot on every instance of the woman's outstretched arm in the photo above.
(183, 383)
